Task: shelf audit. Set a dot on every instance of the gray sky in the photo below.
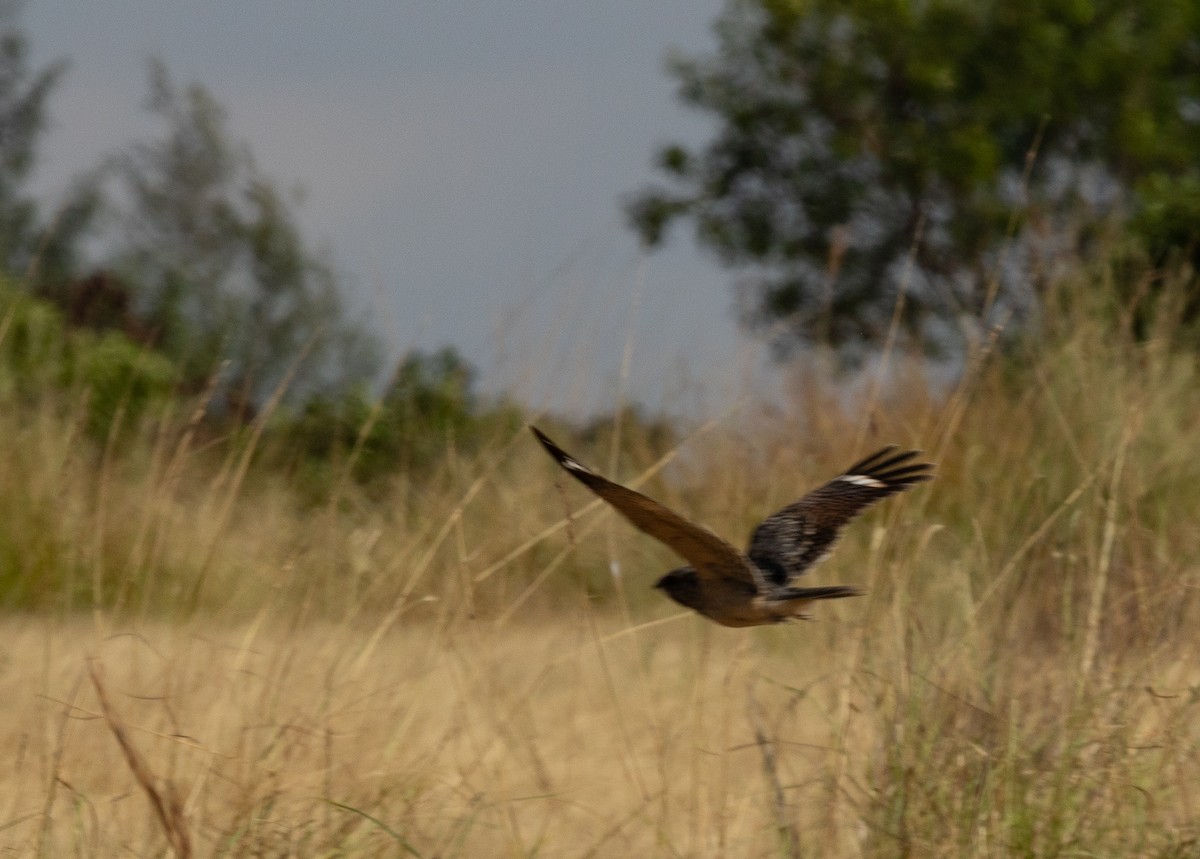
(462, 161)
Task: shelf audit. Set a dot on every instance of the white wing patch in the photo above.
(860, 480)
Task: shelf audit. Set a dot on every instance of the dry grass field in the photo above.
(475, 665)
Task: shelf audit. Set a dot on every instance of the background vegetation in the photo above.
(958, 151)
(469, 660)
(253, 608)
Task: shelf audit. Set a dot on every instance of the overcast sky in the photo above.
(462, 161)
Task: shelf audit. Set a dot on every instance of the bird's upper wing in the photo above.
(789, 542)
(709, 554)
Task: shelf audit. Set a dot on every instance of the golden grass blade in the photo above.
(163, 799)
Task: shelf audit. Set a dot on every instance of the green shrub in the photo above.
(116, 380)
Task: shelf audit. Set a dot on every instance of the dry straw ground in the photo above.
(204, 666)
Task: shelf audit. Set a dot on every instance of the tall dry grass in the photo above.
(476, 665)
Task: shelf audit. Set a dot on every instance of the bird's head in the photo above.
(681, 585)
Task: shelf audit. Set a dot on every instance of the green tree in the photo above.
(27, 246)
(853, 134)
(429, 408)
(217, 260)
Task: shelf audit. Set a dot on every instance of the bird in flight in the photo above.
(756, 587)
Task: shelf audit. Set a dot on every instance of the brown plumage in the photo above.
(753, 588)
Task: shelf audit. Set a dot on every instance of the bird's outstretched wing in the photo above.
(709, 554)
(789, 542)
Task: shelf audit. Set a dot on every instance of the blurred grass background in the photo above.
(460, 655)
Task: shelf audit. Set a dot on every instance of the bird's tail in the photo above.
(830, 592)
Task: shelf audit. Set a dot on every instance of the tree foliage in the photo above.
(116, 382)
(430, 407)
(198, 261)
(217, 259)
(857, 135)
(22, 119)
(28, 246)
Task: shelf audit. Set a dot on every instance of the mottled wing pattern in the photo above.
(709, 554)
(801, 534)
